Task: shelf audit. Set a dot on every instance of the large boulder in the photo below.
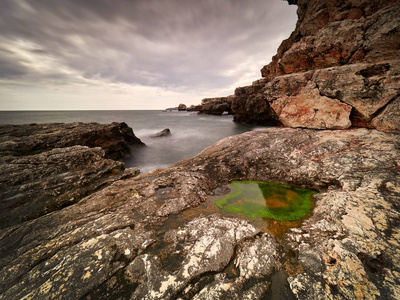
(251, 106)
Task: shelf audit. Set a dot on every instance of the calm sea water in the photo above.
(191, 133)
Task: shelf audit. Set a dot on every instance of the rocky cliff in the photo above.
(339, 68)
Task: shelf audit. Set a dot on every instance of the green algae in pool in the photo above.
(269, 200)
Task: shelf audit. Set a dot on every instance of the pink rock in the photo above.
(311, 110)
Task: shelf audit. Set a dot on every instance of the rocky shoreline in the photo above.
(77, 225)
(136, 238)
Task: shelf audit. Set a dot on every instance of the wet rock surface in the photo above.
(163, 133)
(131, 239)
(45, 167)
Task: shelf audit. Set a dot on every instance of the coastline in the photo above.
(77, 224)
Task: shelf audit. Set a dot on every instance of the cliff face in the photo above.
(339, 68)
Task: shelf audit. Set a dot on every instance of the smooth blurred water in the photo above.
(191, 133)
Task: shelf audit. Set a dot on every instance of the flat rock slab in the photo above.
(130, 240)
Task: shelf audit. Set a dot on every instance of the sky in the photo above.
(134, 54)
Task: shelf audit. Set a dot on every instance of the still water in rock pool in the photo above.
(280, 206)
(271, 207)
(267, 200)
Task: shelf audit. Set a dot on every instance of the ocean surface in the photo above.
(191, 133)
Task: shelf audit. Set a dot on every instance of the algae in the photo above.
(257, 199)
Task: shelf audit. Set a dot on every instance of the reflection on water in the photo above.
(249, 192)
(270, 206)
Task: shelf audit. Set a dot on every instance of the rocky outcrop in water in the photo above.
(249, 106)
(181, 107)
(145, 237)
(194, 108)
(163, 133)
(45, 167)
(216, 106)
(339, 68)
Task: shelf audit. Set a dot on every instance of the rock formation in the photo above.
(115, 139)
(194, 108)
(162, 133)
(181, 107)
(216, 106)
(339, 68)
(150, 236)
(45, 167)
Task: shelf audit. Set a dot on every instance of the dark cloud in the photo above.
(172, 43)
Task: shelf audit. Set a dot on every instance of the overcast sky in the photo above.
(134, 54)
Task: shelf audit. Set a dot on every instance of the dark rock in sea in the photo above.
(137, 237)
(181, 107)
(45, 167)
(162, 133)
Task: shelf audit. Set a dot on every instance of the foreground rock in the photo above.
(138, 237)
(45, 167)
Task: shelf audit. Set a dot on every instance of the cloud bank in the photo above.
(133, 54)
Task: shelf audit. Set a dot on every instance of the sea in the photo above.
(190, 132)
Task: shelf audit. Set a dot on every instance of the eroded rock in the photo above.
(348, 248)
(45, 167)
